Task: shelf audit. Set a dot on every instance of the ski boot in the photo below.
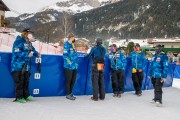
(70, 97)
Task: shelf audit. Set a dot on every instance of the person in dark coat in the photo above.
(98, 53)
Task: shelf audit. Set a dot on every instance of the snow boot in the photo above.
(21, 100)
(158, 103)
(153, 101)
(29, 98)
(138, 93)
(73, 96)
(115, 95)
(92, 98)
(119, 95)
(70, 97)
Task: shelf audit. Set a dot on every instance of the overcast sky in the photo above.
(27, 6)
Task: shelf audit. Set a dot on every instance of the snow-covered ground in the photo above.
(176, 83)
(128, 107)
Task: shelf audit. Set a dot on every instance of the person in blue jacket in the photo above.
(22, 52)
(138, 59)
(158, 72)
(98, 53)
(118, 65)
(70, 65)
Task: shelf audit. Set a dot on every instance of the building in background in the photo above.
(170, 44)
(3, 8)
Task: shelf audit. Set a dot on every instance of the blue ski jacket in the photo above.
(20, 54)
(159, 66)
(117, 61)
(97, 53)
(70, 56)
(138, 60)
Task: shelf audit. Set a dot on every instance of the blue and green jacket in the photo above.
(20, 54)
(70, 56)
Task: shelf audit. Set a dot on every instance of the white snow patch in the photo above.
(176, 83)
(128, 107)
(52, 18)
(74, 8)
(28, 16)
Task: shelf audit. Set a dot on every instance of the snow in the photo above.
(28, 16)
(43, 20)
(176, 83)
(143, 42)
(128, 107)
(103, 0)
(74, 8)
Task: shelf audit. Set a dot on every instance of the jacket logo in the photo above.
(158, 59)
(65, 51)
(16, 50)
(110, 56)
(118, 55)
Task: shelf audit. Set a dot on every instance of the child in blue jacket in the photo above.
(138, 60)
(158, 73)
(117, 64)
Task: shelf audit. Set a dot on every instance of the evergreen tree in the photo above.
(129, 48)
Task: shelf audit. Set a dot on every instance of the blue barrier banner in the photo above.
(128, 83)
(6, 81)
(51, 80)
(177, 72)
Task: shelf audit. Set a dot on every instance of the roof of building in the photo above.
(166, 40)
(3, 7)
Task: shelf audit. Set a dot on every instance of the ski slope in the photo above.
(128, 107)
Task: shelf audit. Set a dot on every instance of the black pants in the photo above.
(157, 84)
(117, 81)
(98, 83)
(70, 79)
(137, 80)
(21, 84)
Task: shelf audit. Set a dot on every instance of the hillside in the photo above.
(131, 19)
(137, 19)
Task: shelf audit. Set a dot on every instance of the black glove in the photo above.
(39, 67)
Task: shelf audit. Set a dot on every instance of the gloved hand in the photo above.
(134, 70)
(30, 54)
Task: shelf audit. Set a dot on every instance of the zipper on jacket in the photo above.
(136, 61)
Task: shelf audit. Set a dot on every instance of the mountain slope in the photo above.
(124, 19)
(131, 19)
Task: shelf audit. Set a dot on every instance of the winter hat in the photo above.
(98, 41)
(27, 30)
